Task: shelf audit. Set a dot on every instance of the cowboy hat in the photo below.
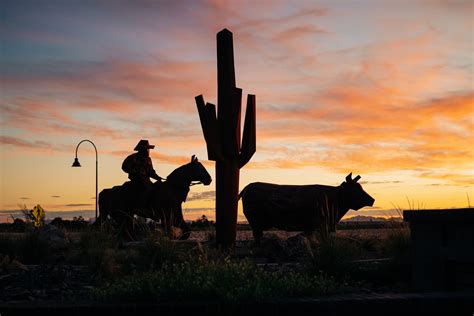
(143, 144)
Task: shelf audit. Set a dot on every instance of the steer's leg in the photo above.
(254, 222)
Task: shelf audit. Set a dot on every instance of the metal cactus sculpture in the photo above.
(222, 135)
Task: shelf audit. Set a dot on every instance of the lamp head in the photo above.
(76, 163)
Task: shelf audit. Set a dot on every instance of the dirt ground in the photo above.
(246, 235)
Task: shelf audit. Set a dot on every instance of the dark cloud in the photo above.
(203, 196)
(189, 210)
(18, 142)
(79, 204)
(55, 196)
(24, 198)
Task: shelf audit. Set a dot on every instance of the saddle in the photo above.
(137, 195)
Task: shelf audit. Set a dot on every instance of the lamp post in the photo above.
(77, 164)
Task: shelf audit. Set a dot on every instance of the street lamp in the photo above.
(77, 164)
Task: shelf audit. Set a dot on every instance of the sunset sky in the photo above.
(383, 89)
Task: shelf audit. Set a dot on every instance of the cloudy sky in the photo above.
(383, 89)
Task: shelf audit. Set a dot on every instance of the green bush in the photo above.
(221, 280)
(152, 254)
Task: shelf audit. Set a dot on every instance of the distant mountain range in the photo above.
(362, 218)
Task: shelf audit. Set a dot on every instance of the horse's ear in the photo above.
(193, 158)
(356, 178)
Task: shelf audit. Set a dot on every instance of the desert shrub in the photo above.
(394, 270)
(96, 249)
(333, 255)
(396, 246)
(8, 246)
(210, 235)
(34, 250)
(107, 258)
(221, 280)
(202, 223)
(58, 222)
(28, 248)
(19, 225)
(78, 223)
(151, 254)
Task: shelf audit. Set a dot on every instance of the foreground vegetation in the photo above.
(157, 269)
(223, 280)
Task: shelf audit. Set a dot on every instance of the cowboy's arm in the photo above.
(152, 173)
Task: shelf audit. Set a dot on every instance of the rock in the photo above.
(8, 264)
(297, 246)
(281, 250)
(55, 237)
(272, 248)
(46, 283)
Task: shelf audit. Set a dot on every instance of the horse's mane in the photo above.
(180, 181)
(178, 173)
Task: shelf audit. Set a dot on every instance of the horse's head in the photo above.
(198, 172)
(183, 177)
(190, 174)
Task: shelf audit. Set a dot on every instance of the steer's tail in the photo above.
(242, 192)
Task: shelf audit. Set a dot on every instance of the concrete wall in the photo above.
(442, 249)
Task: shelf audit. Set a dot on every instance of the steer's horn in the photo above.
(349, 177)
(356, 178)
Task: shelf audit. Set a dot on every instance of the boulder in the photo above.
(53, 236)
(281, 250)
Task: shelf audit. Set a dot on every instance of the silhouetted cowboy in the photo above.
(139, 166)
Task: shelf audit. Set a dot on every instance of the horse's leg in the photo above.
(129, 227)
(181, 223)
(124, 222)
(166, 222)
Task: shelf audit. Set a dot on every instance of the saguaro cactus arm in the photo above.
(207, 116)
(234, 123)
(249, 139)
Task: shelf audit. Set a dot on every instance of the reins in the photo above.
(191, 183)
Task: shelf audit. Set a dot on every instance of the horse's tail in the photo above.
(103, 209)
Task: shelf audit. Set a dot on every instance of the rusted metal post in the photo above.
(222, 134)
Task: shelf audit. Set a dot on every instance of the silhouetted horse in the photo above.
(162, 202)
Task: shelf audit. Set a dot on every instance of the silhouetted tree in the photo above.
(58, 222)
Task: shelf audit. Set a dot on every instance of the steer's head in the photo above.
(353, 195)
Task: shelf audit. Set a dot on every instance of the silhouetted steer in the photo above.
(300, 207)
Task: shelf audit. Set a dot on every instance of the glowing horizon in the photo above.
(380, 88)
